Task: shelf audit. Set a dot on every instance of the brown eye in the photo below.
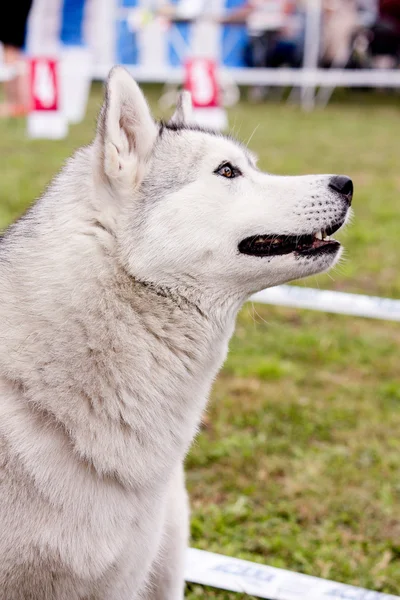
(227, 170)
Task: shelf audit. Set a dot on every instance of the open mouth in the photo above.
(302, 245)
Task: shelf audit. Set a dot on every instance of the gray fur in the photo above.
(116, 314)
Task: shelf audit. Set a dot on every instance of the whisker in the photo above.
(259, 316)
(251, 137)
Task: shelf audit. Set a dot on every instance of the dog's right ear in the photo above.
(126, 130)
(184, 109)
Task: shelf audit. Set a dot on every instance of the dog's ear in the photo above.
(184, 110)
(126, 130)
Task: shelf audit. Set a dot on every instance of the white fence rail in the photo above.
(342, 303)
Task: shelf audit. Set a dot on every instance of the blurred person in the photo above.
(276, 35)
(385, 44)
(367, 12)
(13, 20)
(275, 30)
(340, 22)
(361, 55)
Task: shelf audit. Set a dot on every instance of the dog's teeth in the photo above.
(328, 238)
(319, 235)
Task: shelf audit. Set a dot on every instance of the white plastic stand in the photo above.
(213, 117)
(75, 81)
(47, 125)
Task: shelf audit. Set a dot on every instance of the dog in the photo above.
(119, 290)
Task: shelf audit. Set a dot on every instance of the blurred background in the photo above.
(298, 461)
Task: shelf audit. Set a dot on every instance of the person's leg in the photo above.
(16, 89)
(11, 59)
(259, 50)
(12, 35)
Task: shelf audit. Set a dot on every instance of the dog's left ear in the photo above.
(126, 130)
(184, 109)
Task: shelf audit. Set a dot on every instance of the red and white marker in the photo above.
(45, 119)
(201, 81)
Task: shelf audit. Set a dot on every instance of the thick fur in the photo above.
(118, 295)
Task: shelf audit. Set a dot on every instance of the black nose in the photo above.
(343, 185)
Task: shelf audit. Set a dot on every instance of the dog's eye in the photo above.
(228, 171)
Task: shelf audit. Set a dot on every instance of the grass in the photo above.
(298, 465)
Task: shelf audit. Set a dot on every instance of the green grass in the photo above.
(298, 464)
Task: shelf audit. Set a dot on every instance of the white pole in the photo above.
(311, 51)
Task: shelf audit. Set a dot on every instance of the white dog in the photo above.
(118, 295)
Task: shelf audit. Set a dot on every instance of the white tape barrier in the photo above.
(235, 575)
(274, 77)
(330, 301)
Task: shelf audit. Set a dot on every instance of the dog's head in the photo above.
(196, 212)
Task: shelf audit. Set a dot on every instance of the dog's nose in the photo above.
(343, 185)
